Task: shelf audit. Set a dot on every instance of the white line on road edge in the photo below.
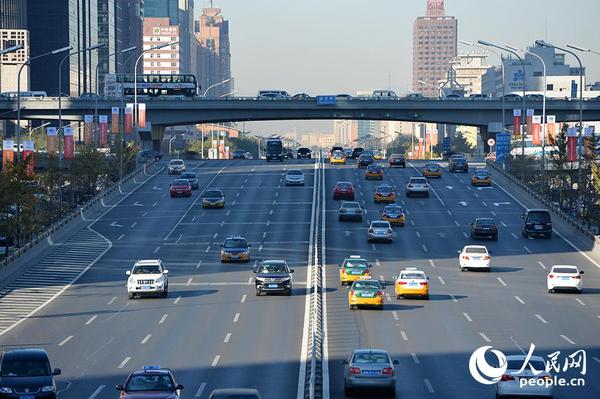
(64, 341)
(97, 392)
(227, 337)
(194, 202)
(163, 318)
(403, 335)
(236, 317)
(200, 390)
(467, 316)
(580, 301)
(441, 280)
(414, 357)
(569, 340)
(87, 323)
(520, 300)
(540, 318)
(485, 338)
(146, 338)
(124, 362)
(541, 265)
(428, 385)
(501, 281)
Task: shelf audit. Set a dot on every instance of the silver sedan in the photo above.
(371, 369)
(380, 230)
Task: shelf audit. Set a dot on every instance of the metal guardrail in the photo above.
(72, 215)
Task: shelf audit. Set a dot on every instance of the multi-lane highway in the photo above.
(212, 330)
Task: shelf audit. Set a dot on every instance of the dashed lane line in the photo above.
(146, 338)
(526, 249)
(514, 236)
(227, 338)
(243, 298)
(95, 394)
(91, 320)
(124, 362)
(428, 386)
(441, 280)
(176, 301)
(200, 390)
(236, 317)
(520, 300)
(395, 314)
(502, 281)
(541, 265)
(114, 298)
(467, 317)
(569, 340)
(431, 263)
(580, 301)
(120, 237)
(163, 318)
(540, 318)
(414, 357)
(403, 335)
(453, 298)
(424, 247)
(485, 337)
(64, 341)
(215, 361)
(503, 224)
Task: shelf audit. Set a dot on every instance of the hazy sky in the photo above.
(341, 46)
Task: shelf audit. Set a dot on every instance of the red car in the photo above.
(181, 188)
(343, 190)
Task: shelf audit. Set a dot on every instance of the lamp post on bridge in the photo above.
(215, 85)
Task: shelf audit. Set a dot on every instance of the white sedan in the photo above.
(526, 384)
(474, 257)
(294, 177)
(565, 277)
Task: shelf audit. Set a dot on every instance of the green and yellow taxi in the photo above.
(394, 214)
(365, 293)
(235, 249)
(432, 170)
(354, 268)
(481, 177)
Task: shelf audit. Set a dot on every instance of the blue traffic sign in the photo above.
(326, 100)
(447, 143)
(502, 147)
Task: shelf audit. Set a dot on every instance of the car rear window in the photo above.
(418, 180)
(366, 285)
(346, 205)
(356, 263)
(384, 189)
(235, 243)
(176, 162)
(472, 250)
(380, 225)
(392, 209)
(517, 364)
(146, 269)
(369, 357)
(188, 176)
(213, 194)
(485, 222)
(412, 275)
(344, 185)
(564, 270)
(181, 182)
(539, 217)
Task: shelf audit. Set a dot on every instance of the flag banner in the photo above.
(233, 134)
(88, 137)
(128, 118)
(8, 154)
(571, 144)
(227, 152)
(536, 121)
(427, 140)
(68, 144)
(516, 122)
(551, 127)
(102, 129)
(29, 156)
(52, 141)
(529, 121)
(114, 122)
(588, 142)
(142, 115)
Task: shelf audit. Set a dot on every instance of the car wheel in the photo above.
(347, 392)
(580, 291)
(380, 307)
(489, 270)
(131, 295)
(550, 290)
(165, 293)
(525, 234)
(289, 292)
(340, 219)
(462, 269)
(426, 297)
(257, 292)
(426, 195)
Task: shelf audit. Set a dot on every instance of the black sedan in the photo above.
(484, 228)
(365, 160)
(238, 154)
(192, 178)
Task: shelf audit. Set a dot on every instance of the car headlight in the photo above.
(131, 280)
(5, 390)
(48, 388)
(159, 280)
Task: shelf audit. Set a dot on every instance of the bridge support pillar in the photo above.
(489, 132)
(152, 138)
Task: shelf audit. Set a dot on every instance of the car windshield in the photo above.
(278, 267)
(176, 162)
(25, 368)
(412, 275)
(517, 364)
(433, 166)
(396, 155)
(570, 270)
(369, 285)
(475, 250)
(213, 194)
(370, 357)
(380, 225)
(235, 243)
(538, 217)
(145, 382)
(181, 182)
(374, 168)
(485, 222)
(350, 205)
(418, 181)
(188, 175)
(294, 172)
(392, 209)
(146, 269)
(356, 263)
(459, 160)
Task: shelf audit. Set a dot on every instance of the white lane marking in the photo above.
(493, 213)
(260, 247)
(514, 236)
(227, 213)
(520, 300)
(526, 249)
(243, 298)
(114, 298)
(120, 237)
(428, 385)
(265, 234)
(215, 360)
(456, 223)
(467, 316)
(485, 337)
(144, 214)
(441, 280)
(97, 392)
(596, 359)
(418, 234)
(215, 235)
(424, 247)
(189, 282)
(580, 301)
(156, 249)
(373, 247)
(431, 263)
(503, 224)
(271, 212)
(193, 219)
(155, 203)
(179, 238)
(540, 318)
(569, 340)
(388, 297)
(64, 341)
(236, 317)
(249, 280)
(377, 263)
(176, 301)
(476, 195)
(207, 249)
(541, 265)
(395, 314)
(222, 223)
(200, 390)
(501, 281)
(133, 224)
(227, 337)
(163, 318)
(465, 234)
(403, 334)
(453, 298)
(483, 202)
(412, 222)
(449, 213)
(414, 357)
(124, 362)
(146, 338)
(91, 320)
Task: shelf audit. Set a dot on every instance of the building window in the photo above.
(550, 87)
(536, 73)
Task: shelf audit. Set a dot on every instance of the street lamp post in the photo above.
(11, 49)
(215, 85)
(229, 94)
(57, 51)
(36, 128)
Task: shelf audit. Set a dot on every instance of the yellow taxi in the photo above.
(481, 177)
(235, 249)
(384, 193)
(432, 170)
(338, 158)
(374, 171)
(411, 282)
(354, 268)
(394, 214)
(365, 293)
(378, 154)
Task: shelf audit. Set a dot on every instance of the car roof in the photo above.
(25, 353)
(235, 238)
(355, 351)
(475, 246)
(523, 357)
(148, 262)
(294, 170)
(566, 266)
(380, 221)
(412, 270)
(538, 210)
(177, 159)
(273, 261)
(234, 391)
(350, 203)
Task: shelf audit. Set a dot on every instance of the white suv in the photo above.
(417, 186)
(176, 166)
(147, 277)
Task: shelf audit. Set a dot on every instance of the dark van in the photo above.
(26, 373)
(537, 222)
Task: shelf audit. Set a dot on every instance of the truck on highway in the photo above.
(275, 149)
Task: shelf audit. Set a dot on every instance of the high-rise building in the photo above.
(214, 57)
(56, 24)
(129, 20)
(469, 69)
(434, 46)
(107, 24)
(345, 132)
(164, 61)
(13, 14)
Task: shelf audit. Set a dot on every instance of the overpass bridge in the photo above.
(162, 112)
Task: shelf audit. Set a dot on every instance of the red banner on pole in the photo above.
(536, 126)
(8, 154)
(29, 156)
(551, 127)
(529, 121)
(128, 118)
(52, 141)
(516, 122)
(102, 129)
(88, 121)
(141, 115)
(68, 144)
(114, 122)
(571, 144)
